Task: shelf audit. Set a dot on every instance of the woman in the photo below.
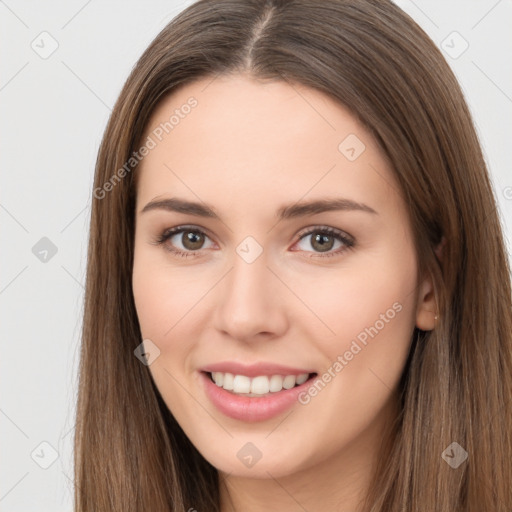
(298, 296)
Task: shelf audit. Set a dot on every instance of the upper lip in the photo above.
(254, 370)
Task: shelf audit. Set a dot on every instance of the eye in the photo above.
(186, 241)
(183, 241)
(324, 239)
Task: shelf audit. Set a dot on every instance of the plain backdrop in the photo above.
(62, 66)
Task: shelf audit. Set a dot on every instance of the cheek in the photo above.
(162, 294)
(154, 302)
(170, 305)
(366, 315)
(165, 310)
(371, 311)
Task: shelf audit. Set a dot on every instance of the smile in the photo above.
(257, 386)
(256, 398)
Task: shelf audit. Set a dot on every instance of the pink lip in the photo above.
(252, 409)
(254, 370)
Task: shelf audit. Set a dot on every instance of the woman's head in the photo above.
(253, 286)
(256, 109)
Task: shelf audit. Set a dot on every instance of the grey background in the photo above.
(53, 110)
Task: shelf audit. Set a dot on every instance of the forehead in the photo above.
(243, 138)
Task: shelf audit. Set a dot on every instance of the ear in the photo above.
(427, 312)
(440, 248)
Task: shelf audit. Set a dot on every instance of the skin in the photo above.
(248, 148)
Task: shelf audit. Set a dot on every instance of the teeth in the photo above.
(303, 377)
(257, 386)
(218, 377)
(241, 384)
(289, 382)
(276, 383)
(260, 385)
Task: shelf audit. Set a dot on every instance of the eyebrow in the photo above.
(291, 211)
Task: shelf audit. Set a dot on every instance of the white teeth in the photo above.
(289, 382)
(260, 385)
(228, 381)
(276, 383)
(303, 377)
(241, 384)
(218, 377)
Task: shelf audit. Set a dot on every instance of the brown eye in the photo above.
(322, 242)
(192, 240)
(184, 241)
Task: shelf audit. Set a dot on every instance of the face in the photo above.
(272, 246)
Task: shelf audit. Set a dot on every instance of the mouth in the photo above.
(258, 386)
(257, 398)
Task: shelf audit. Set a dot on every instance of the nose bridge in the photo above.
(248, 301)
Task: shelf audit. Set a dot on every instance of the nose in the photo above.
(251, 302)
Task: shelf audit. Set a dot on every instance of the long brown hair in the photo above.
(130, 454)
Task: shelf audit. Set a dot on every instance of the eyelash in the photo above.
(347, 241)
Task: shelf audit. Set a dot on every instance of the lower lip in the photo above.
(252, 409)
